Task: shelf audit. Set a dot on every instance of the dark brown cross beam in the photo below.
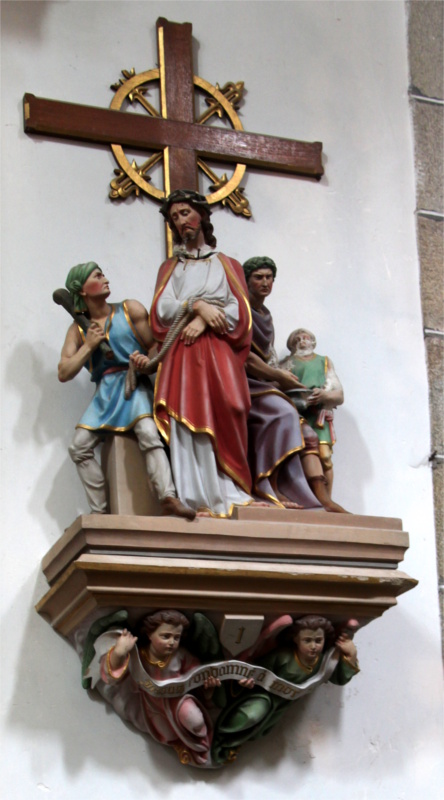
(176, 133)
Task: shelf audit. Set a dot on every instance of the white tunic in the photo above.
(199, 481)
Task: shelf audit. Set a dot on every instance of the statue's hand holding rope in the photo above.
(140, 362)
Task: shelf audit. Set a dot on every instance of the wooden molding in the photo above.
(293, 562)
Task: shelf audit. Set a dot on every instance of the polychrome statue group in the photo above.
(241, 428)
(172, 678)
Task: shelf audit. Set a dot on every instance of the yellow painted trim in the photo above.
(263, 355)
(111, 429)
(166, 172)
(162, 427)
(306, 669)
(132, 325)
(267, 474)
(354, 667)
(229, 512)
(161, 48)
(209, 432)
(229, 269)
(83, 338)
(165, 280)
(268, 497)
(109, 320)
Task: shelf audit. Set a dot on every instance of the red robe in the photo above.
(204, 385)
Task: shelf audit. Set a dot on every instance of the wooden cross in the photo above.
(176, 133)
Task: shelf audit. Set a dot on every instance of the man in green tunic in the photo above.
(317, 373)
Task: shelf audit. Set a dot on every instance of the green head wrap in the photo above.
(75, 280)
(259, 262)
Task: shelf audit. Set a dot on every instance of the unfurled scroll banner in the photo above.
(220, 670)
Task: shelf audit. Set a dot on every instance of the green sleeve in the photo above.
(344, 672)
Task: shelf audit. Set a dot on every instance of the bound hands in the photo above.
(212, 315)
(193, 330)
(207, 315)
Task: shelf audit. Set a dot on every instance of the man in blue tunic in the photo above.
(125, 328)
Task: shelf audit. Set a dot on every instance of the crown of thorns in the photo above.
(185, 196)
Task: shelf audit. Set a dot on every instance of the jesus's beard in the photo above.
(191, 234)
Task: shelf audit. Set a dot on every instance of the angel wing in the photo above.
(118, 619)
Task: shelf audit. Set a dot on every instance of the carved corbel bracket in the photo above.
(245, 577)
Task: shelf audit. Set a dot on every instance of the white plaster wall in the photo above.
(347, 268)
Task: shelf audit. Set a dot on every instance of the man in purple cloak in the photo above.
(283, 450)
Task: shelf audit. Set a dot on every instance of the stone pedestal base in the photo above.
(128, 487)
(266, 562)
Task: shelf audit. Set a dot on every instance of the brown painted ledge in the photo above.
(266, 561)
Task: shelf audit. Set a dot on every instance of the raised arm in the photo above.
(76, 353)
(348, 649)
(119, 653)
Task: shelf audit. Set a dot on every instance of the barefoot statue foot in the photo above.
(283, 499)
(173, 507)
(318, 486)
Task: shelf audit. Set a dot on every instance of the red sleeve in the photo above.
(240, 337)
(163, 276)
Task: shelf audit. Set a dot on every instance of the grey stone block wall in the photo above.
(425, 40)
